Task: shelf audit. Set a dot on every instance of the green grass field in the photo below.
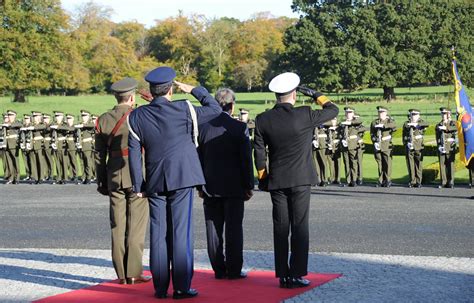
(426, 99)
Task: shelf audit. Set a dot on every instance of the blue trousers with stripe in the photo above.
(171, 239)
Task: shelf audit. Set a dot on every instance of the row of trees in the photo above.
(334, 46)
(43, 49)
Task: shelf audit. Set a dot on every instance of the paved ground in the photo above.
(392, 245)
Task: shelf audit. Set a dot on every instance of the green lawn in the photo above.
(426, 99)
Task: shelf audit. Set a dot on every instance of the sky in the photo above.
(147, 11)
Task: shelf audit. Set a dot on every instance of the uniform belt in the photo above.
(120, 153)
(47, 139)
(361, 141)
(61, 138)
(336, 141)
(87, 140)
(450, 140)
(322, 136)
(12, 136)
(353, 137)
(38, 138)
(70, 139)
(386, 138)
(419, 137)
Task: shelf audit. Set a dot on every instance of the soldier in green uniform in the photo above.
(320, 154)
(36, 154)
(3, 146)
(360, 151)
(12, 151)
(412, 136)
(59, 131)
(129, 214)
(86, 153)
(333, 151)
(47, 149)
(244, 117)
(349, 130)
(446, 140)
(71, 148)
(25, 137)
(381, 131)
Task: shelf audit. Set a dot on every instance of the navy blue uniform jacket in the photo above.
(226, 157)
(164, 129)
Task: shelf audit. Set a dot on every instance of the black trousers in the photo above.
(290, 214)
(228, 213)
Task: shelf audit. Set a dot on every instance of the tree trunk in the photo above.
(19, 96)
(388, 93)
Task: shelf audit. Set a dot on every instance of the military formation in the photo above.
(53, 148)
(336, 140)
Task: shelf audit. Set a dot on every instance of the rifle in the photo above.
(78, 137)
(442, 147)
(3, 138)
(378, 143)
(54, 139)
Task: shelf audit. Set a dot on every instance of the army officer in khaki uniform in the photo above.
(446, 140)
(413, 131)
(85, 133)
(128, 212)
(381, 131)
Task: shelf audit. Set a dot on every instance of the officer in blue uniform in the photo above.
(167, 132)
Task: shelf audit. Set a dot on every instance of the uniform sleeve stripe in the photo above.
(131, 130)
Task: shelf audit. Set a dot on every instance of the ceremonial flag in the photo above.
(464, 122)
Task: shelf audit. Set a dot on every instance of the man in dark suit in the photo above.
(287, 132)
(167, 132)
(226, 158)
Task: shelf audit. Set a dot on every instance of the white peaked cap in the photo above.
(284, 83)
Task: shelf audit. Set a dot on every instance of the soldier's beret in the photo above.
(284, 83)
(382, 109)
(11, 112)
(444, 110)
(124, 86)
(161, 75)
(244, 111)
(349, 109)
(413, 111)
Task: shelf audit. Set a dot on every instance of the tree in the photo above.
(358, 44)
(32, 37)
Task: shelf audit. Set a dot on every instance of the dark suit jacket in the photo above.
(288, 132)
(164, 129)
(226, 157)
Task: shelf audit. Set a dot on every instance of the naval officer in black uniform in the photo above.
(287, 132)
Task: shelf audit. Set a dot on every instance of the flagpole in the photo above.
(453, 53)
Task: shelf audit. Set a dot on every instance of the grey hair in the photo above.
(226, 98)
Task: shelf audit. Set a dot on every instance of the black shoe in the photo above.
(26, 179)
(449, 185)
(39, 182)
(417, 185)
(336, 182)
(60, 182)
(388, 184)
(322, 184)
(284, 282)
(242, 275)
(15, 182)
(410, 185)
(298, 282)
(9, 182)
(441, 186)
(220, 276)
(86, 182)
(359, 182)
(161, 296)
(352, 184)
(178, 294)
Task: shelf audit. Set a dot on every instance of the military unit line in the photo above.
(50, 149)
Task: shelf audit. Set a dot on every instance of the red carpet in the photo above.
(260, 286)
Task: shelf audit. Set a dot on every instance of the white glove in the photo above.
(5, 125)
(412, 124)
(315, 144)
(78, 126)
(379, 125)
(377, 146)
(23, 128)
(410, 145)
(442, 149)
(333, 128)
(442, 127)
(54, 127)
(346, 122)
(344, 143)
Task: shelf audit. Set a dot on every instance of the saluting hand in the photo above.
(145, 95)
(184, 87)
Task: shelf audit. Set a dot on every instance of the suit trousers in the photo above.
(334, 166)
(72, 162)
(87, 158)
(62, 164)
(384, 163)
(290, 214)
(36, 164)
(49, 163)
(320, 162)
(414, 160)
(128, 221)
(228, 212)
(171, 239)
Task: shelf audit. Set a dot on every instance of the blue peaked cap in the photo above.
(160, 75)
